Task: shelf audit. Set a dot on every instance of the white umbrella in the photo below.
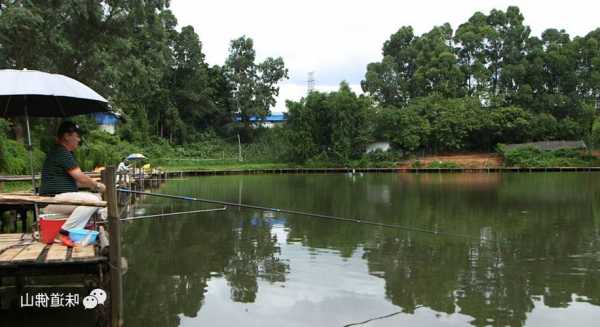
(136, 156)
(32, 93)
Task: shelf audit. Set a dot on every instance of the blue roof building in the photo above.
(107, 121)
(270, 120)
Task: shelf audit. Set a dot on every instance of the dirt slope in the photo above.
(474, 160)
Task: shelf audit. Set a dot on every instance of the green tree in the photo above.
(21, 36)
(391, 81)
(254, 86)
(350, 124)
(587, 55)
(470, 38)
(335, 125)
(406, 129)
(189, 82)
(437, 66)
(302, 125)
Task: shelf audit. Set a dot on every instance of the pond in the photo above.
(524, 250)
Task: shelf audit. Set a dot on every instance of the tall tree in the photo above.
(587, 51)
(505, 51)
(437, 65)
(254, 86)
(391, 81)
(190, 82)
(470, 38)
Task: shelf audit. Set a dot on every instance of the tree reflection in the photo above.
(255, 253)
(541, 244)
(172, 260)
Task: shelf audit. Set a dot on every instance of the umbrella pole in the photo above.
(30, 148)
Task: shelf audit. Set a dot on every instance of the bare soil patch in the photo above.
(471, 160)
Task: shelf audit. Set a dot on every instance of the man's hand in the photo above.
(85, 181)
(101, 188)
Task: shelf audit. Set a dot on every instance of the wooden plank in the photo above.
(6, 245)
(83, 252)
(10, 237)
(57, 252)
(30, 253)
(27, 237)
(27, 199)
(7, 255)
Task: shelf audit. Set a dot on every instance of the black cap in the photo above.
(68, 127)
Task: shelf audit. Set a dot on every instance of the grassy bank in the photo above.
(218, 165)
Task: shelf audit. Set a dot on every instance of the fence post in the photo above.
(239, 148)
(114, 225)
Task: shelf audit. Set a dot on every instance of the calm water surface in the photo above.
(539, 265)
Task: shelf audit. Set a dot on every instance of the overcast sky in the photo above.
(338, 38)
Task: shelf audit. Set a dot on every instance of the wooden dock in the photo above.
(22, 256)
(19, 252)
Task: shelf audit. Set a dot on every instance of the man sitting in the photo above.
(62, 177)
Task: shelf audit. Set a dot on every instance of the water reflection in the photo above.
(247, 267)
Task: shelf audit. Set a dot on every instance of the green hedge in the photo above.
(533, 157)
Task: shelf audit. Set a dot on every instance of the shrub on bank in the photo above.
(443, 165)
(533, 157)
(14, 157)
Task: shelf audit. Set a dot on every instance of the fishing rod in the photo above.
(296, 212)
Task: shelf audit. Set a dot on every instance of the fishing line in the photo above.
(296, 212)
(165, 214)
(173, 214)
(378, 318)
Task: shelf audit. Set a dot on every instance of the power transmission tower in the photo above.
(310, 82)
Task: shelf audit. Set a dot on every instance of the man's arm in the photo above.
(85, 181)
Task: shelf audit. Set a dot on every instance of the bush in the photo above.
(337, 123)
(443, 164)
(404, 128)
(102, 149)
(595, 136)
(533, 157)
(15, 158)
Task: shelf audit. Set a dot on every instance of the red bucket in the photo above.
(49, 228)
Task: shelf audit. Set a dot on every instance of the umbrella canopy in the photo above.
(136, 156)
(38, 94)
(32, 93)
